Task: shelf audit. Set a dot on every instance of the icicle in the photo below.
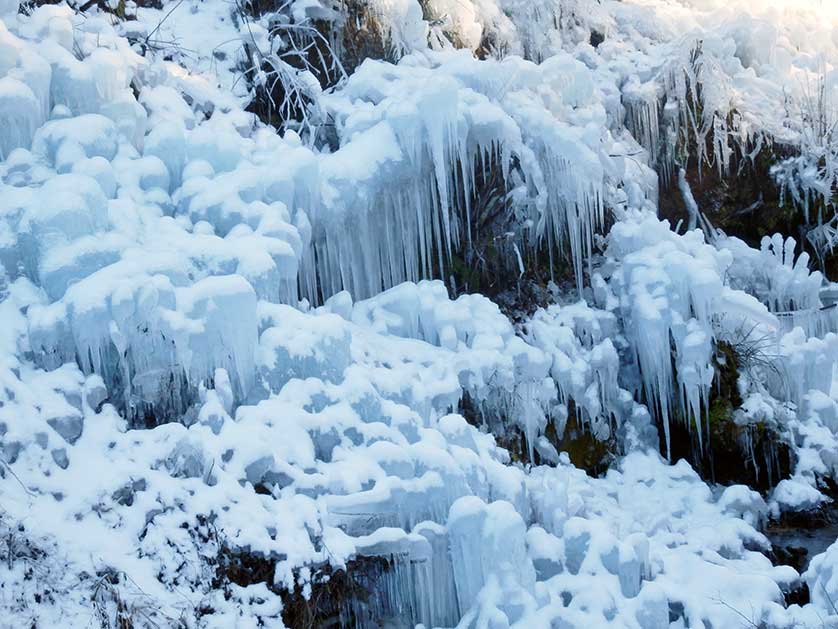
(689, 199)
(408, 217)
(642, 104)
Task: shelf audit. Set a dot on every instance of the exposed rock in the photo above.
(69, 427)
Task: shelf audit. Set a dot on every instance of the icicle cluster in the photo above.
(409, 209)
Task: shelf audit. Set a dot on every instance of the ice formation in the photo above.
(238, 381)
(434, 125)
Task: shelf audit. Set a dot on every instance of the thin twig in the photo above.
(16, 477)
(165, 17)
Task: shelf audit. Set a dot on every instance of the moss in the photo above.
(513, 441)
(720, 412)
(726, 364)
(584, 449)
(753, 454)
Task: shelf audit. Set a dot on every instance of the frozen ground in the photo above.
(235, 392)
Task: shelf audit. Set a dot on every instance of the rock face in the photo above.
(415, 343)
(69, 427)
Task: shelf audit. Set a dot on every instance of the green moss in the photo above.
(726, 363)
(588, 452)
(753, 454)
(584, 449)
(721, 411)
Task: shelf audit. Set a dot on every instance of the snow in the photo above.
(821, 580)
(475, 120)
(227, 342)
